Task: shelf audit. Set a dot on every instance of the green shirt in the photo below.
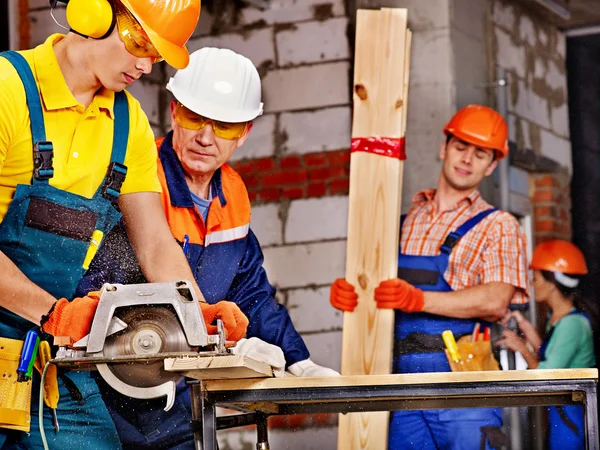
(571, 345)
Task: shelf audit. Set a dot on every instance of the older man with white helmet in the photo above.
(208, 210)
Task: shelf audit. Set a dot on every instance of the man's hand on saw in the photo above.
(73, 319)
(343, 296)
(234, 320)
(398, 294)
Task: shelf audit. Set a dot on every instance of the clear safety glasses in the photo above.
(133, 35)
(192, 121)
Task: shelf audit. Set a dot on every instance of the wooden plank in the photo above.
(374, 210)
(410, 378)
(219, 367)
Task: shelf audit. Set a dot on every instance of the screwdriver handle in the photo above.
(28, 354)
(450, 342)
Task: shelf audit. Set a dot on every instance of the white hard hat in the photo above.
(219, 84)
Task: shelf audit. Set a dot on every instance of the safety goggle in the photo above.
(133, 35)
(192, 121)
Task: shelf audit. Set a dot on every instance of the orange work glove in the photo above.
(398, 294)
(234, 320)
(343, 295)
(73, 319)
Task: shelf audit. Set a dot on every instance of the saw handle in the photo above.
(234, 320)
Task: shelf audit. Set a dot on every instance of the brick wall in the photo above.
(552, 208)
(293, 177)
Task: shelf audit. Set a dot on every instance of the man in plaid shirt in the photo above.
(461, 262)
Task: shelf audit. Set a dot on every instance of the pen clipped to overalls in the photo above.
(186, 244)
(95, 241)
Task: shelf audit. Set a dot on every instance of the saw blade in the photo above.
(150, 330)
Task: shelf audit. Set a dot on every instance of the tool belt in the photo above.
(475, 356)
(15, 396)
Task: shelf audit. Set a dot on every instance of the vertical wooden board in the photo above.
(371, 257)
(379, 73)
(406, 79)
(367, 341)
(404, 110)
(374, 211)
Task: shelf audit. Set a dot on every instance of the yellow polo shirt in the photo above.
(82, 137)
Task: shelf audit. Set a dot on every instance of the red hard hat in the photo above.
(559, 256)
(480, 126)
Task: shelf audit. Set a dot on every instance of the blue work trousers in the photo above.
(444, 429)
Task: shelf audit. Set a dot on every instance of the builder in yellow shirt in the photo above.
(75, 149)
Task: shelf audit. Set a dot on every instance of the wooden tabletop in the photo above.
(413, 378)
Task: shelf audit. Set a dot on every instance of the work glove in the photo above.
(73, 319)
(307, 368)
(398, 294)
(343, 295)
(262, 351)
(234, 320)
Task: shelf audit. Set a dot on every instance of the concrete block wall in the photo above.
(533, 52)
(468, 20)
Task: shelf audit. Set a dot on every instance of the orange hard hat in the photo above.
(480, 126)
(168, 24)
(559, 256)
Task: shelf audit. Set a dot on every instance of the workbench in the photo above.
(258, 398)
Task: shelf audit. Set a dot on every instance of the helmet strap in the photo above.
(566, 280)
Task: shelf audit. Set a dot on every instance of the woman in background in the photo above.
(558, 267)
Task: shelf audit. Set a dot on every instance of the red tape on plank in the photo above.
(392, 147)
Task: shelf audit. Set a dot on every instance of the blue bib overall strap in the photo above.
(418, 345)
(43, 151)
(46, 231)
(115, 175)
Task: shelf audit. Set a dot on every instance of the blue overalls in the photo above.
(46, 233)
(565, 422)
(419, 348)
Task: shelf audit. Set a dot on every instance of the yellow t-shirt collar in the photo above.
(54, 91)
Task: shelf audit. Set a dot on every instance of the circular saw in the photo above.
(134, 329)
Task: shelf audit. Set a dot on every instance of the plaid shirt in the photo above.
(493, 251)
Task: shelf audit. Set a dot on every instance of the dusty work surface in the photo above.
(403, 379)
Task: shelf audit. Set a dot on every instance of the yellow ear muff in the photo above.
(93, 18)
